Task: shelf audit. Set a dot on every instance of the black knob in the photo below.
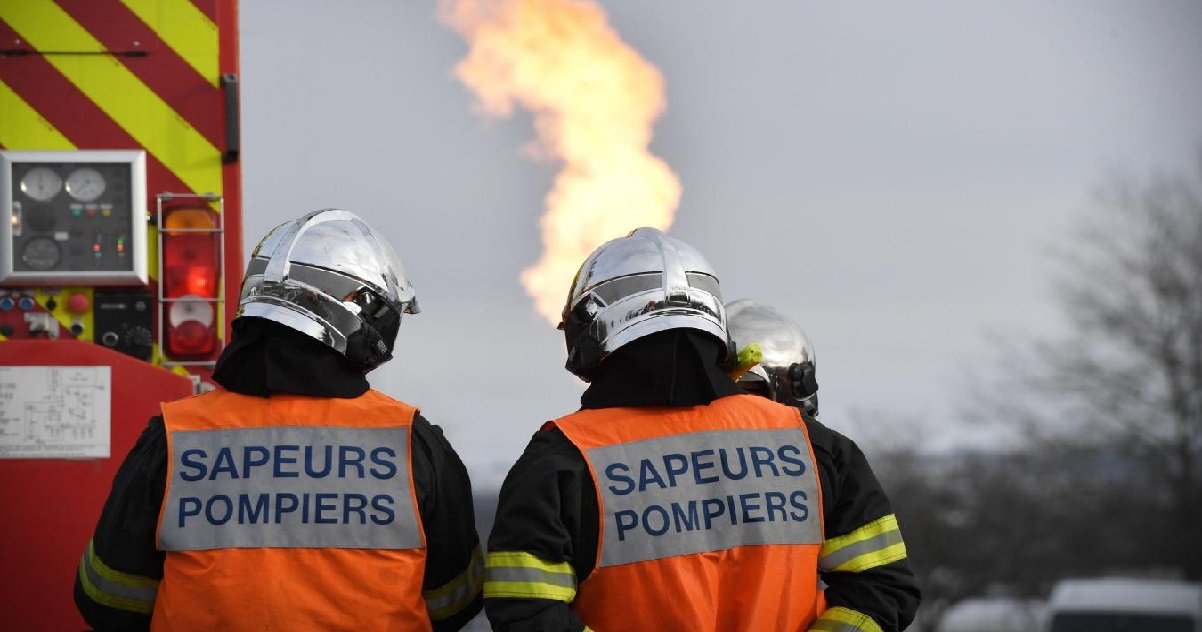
(109, 338)
(139, 336)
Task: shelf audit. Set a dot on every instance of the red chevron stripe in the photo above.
(74, 114)
(162, 70)
(209, 8)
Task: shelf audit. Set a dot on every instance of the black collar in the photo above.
(677, 367)
(265, 357)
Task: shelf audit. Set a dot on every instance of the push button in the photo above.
(78, 303)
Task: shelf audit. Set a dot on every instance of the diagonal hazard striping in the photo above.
(162, 70)
(117, 91)
(21, 126)
(69, 113)
(185, 28)
(208, 8)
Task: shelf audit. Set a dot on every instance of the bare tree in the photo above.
(1129, 372)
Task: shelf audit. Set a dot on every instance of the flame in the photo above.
(593, 100)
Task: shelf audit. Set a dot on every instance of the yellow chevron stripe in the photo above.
(21, 127)
(187, 30)
(117, 91)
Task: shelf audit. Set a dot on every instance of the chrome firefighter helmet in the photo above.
(634, 286)
(329, 276)
(786, 373)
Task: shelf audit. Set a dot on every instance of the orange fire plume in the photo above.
(593, 99)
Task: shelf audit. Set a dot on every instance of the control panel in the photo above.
(118, 318)
(122, 322)
(78, 217)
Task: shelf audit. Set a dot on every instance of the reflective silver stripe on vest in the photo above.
(290, 486)
(705, 491)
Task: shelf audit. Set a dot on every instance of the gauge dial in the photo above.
(85, 184)
(41, 183)
(41, 253)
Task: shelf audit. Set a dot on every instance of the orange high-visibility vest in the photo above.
(290, 513)
(711, 517)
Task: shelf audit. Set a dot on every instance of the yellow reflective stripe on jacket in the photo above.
(874, 544)
(840, 619)
(113, 588)
(455, 595)
(521, 575)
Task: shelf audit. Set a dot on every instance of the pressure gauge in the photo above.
(41, 183)
(72, 218)
(85, 184)
(41, 253)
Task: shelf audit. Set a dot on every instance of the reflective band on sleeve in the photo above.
(874, 544)
(113, 588)
(840, 619)
(523, 576)
(455, 595)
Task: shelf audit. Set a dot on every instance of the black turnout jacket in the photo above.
(548, 503)
(265, 358)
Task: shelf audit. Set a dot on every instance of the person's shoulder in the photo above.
(205, 398)
(373, 394)
(828, 439)
(550, 448)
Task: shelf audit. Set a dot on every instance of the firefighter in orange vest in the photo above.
(672, 500)
(295, 497)
(787, 373)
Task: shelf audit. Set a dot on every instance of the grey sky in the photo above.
(891, 174)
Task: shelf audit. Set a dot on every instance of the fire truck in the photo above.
(119, 168)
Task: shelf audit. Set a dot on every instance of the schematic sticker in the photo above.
(54, 412)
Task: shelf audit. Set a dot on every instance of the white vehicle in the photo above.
(1124, 605)
(992, 614)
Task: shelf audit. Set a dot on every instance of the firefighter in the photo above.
(294, 497)
(672, 500)
(787, 373)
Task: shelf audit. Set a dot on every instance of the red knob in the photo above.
(77, 303)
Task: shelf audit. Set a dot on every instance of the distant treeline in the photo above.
(1013, 524)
